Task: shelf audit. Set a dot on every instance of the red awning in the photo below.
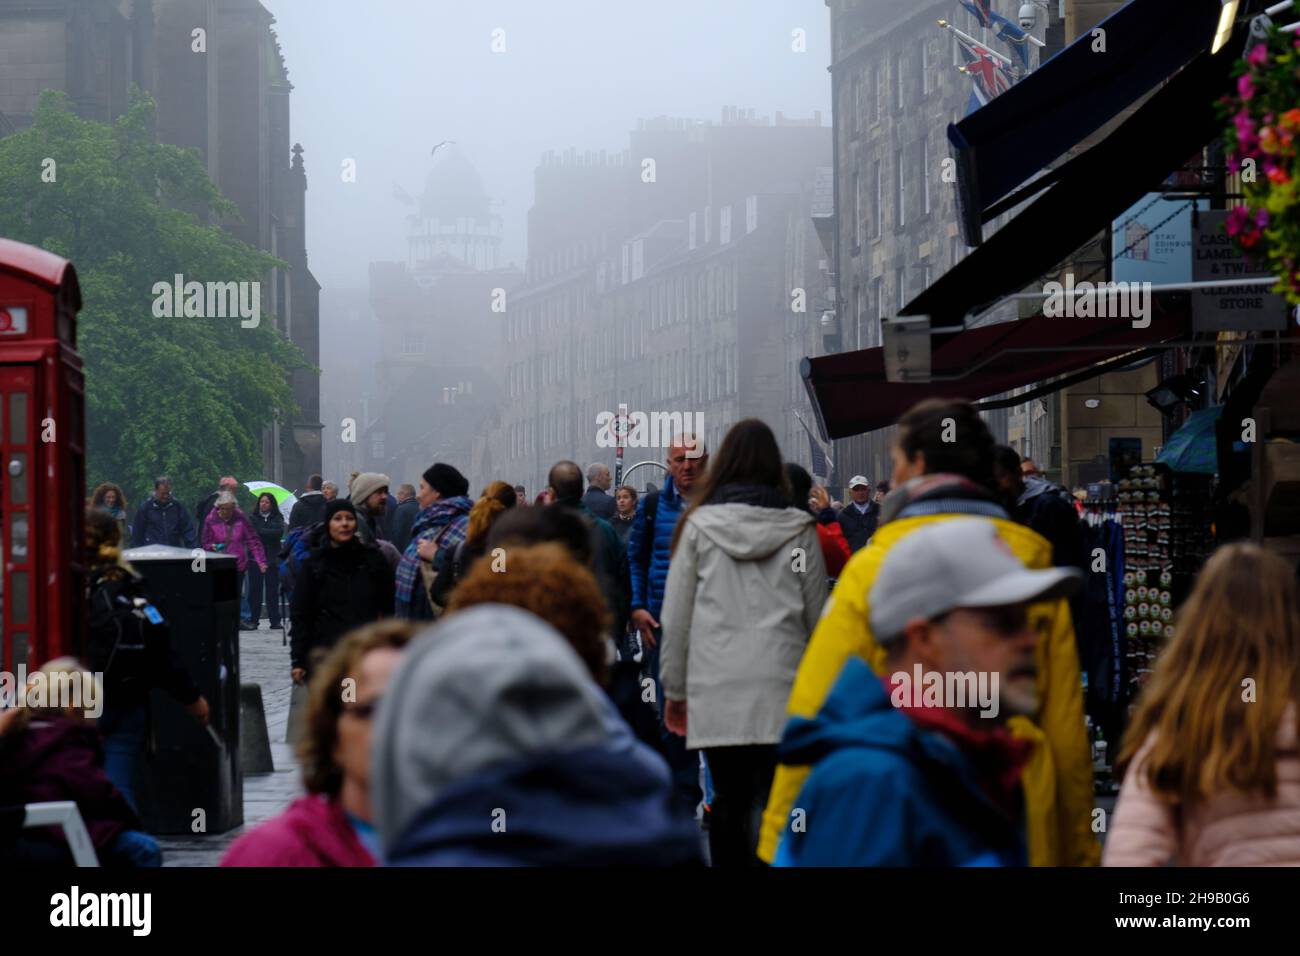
(851, 395)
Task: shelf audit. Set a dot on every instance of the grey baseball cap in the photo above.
(957, 563)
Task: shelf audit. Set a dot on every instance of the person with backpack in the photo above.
(649, 548)
(161, 519)
(343, 584)
(129, 643)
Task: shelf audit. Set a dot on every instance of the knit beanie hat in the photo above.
(446, 480)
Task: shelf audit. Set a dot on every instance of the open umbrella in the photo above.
(1194, 447)
(285, 498)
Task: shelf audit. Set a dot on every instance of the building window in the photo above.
(878, 293)
(925, 175)
(898, 83)
(878, 99)
(878, 217)
(860, 310)
(413, 343)
(900, 279)
(856, 125)
(925, 67)
(901, 197)
(958, 250)
(857, 210)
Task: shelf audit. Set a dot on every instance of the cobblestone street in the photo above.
(265, 661)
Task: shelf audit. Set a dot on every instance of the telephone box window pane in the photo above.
(17, 474)
(18, 538)
(18, 599)
(18, 418)
(20, 650)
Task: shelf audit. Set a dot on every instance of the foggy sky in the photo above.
(382, 81)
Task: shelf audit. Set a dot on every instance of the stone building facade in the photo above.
(439, 319)
(663, 279)
(230, 100)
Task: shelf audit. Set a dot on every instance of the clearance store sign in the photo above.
(1230, 308)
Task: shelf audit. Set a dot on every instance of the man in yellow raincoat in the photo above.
(948, 449)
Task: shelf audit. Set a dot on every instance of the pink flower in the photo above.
(1258, 55)
(1262, 219)
(1245, 88)
(1236, 220)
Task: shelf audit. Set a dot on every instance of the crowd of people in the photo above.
(731, 668)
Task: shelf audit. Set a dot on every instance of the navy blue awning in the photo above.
(1096, 187)
(1071, 96)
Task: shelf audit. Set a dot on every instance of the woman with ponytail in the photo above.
(497, 498)
(129, 643)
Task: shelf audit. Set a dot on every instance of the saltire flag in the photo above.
(1012, 35)
(980, 10)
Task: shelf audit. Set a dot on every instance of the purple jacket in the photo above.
(58, 758)
(238, 536)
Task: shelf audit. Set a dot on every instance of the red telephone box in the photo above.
(42, 458)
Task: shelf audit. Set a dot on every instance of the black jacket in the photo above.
(308, 509)
(609, 563)
(113, 634)
(338, 589)
(1049, 509)
(599, 503)
(859, 527)
(270, 529)
(203, 507)
(404, 516)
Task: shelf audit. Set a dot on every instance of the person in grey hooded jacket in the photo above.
(746, 585)
(530, 763)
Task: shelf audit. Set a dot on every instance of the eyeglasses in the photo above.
(1008, 621)
(362, 711)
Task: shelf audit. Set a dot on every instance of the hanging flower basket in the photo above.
(1264, 117)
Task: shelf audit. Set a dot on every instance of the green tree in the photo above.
(188, 397)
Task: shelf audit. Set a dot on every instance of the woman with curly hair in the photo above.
(331, 826)
(109, 497)
(545, 580)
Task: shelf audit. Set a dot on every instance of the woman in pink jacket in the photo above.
(228, 530)
(1212, 769)
(331, 826)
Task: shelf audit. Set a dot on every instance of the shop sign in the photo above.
(1230, 308)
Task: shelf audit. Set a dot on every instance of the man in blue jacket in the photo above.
(162, 520)
(917, 769)
(649, 548)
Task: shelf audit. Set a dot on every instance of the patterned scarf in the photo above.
(449, 513)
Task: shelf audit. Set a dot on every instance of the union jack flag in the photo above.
(991, 75)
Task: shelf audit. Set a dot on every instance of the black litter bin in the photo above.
(186, 767)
